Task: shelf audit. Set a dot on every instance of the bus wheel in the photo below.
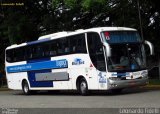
(83, 87)
(25, 88)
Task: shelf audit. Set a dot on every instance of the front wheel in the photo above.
(83, 87)
(25, 88)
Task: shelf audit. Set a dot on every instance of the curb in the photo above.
(157, 87)
(4, 89)
(151, 87)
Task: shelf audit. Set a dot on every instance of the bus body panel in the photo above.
(137, 78)
(14, 79)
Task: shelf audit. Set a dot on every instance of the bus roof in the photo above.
(98, 29)
(70, 33)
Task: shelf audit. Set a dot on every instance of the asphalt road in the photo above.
(135, 98)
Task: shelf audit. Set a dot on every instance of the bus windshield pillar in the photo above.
(108, 49)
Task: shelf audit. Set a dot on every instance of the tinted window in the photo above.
(9, 55)
(77, 44)
(113, 37)
(14, 55)
(62, 46)
(96, 51)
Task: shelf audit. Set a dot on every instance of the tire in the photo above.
(25, 88)
(83, 87)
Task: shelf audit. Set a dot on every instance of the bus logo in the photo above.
(102, 78)
(77, 61)
(61, 63)
(107, 35)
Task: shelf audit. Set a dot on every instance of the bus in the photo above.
(102, 58)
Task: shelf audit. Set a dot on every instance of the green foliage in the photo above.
(94, 5)
(72, 4)
(18, 31)
(55, 3)
(45, 16)
(38, 17)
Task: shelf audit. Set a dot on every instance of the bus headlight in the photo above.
(114, 78)
(113, 85)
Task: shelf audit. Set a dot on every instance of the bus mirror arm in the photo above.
(150, 47)
(108, 49)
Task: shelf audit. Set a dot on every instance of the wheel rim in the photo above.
(26, 88)
(83, 87)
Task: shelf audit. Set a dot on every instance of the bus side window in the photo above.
(46, 50)
(28, 52)
(9, 55)
(80, 45)
(60, 48)
(77, 44)
(96, 53)
(39, 51)
(33, 51)
(73, 44)
(66, 49)
(66, 46)
(15, 55)
(21, 54)
(52, 48)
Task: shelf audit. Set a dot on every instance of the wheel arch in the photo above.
(78, 81)
(23, 80)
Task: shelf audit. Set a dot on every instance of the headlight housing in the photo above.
(114, 78)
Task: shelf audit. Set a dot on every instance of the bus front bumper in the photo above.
(117, 84)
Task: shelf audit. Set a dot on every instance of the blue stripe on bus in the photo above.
(38, 65)
(34, 83)
(31, 74)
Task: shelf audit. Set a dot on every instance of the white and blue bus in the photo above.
(104, 58)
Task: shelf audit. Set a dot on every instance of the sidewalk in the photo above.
(4, 89)
(151, 87)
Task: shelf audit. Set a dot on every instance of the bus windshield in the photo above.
(127, 51)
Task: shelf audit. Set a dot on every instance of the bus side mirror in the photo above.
(108, 49)
(150, 47)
